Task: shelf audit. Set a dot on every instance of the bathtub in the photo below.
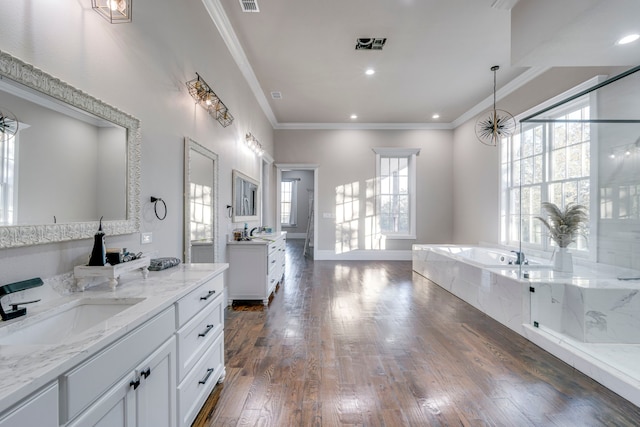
(590, 319)
(592, 305)
(488, 257)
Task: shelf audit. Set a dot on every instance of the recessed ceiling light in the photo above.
(370, 72)
(435, 116)
(629, 39)
(354, 116)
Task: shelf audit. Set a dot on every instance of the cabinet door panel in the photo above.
(116, 408)
(156, 395)
(40, 410)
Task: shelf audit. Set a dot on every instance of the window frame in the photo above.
(411, 155)
(293, 220)
(507, 235)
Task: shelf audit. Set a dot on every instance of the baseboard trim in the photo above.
(363, 255)
(296, 235)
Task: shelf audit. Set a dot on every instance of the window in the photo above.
(395, 192)
(201, 199)
(288, 203)
(7, 179)
(547, 161)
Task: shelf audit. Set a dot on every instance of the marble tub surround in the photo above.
(26, 368)
(590, 319)
(592, 305)
(498, 292)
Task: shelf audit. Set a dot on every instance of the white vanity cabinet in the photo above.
(256, 267)
(200, 337)
(153, 365)
(143, 397)
(40, 410)
(143, 366)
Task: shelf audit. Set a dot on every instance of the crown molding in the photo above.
(222, 23)
(515, 84)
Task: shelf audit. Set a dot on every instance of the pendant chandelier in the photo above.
(496, 124)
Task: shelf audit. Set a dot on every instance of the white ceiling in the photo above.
(436, 59)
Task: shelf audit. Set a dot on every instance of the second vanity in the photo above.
(256, 267)
(152, 363)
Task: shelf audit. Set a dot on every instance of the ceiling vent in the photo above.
(370, 43)
(276, 95)
(249, 6)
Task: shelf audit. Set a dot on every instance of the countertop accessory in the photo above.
(158, 264)
(84, 273)
(99, 252)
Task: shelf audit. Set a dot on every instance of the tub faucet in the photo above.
(519, 257)
(17, 287)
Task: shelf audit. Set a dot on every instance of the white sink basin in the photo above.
(64, 322)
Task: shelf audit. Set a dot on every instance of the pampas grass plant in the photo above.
(564, 225)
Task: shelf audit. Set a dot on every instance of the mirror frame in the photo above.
(190, 144)
(14, 69)
(237, 218)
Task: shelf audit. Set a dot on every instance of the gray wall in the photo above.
(346, 159)
(140, 68)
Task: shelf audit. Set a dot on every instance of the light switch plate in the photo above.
(146, 238)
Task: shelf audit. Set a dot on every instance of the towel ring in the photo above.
(155, 201)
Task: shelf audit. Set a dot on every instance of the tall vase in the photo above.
(563, 261)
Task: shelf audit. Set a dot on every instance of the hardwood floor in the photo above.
(374, 344)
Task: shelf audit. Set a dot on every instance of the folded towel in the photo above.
(157, 264)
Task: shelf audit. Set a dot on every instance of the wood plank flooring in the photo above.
(374, 344)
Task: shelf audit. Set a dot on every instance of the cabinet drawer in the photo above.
(40, 410)
(198, 334)
(273, 247)
(199, 298)
(87, 382)
(197, 385)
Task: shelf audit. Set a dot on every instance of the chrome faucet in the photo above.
(520, 259)
(17, 287)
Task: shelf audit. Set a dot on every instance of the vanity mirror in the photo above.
(73, 160)
(245, 198)
(200, 203)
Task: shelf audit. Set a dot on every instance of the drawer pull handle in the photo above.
(208, 295)
(273, 262)
(206, 377)
(135, 383)
(146, 373)
(206, 331)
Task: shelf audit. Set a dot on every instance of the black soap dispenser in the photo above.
(99, 252)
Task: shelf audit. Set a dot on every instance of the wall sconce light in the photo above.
(114, 11)
(207, 99)
(253, 144)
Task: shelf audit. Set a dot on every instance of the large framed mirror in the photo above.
(200, 203)
(246, 198)
(69, 160)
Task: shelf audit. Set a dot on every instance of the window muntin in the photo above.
(395, 192)
(544, 162)
(288, 196)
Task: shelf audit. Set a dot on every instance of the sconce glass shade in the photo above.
(114, 11)
(207, 99)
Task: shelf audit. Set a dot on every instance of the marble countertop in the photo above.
(26, 368)
(259, 239)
